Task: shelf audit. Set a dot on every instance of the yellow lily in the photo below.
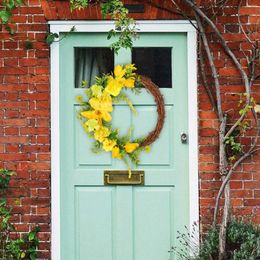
(114, 85)
(119, 72)
(96, 114)
(130, 82)
(102, 106)
(131, 147)
(102, 103)
(116, 153)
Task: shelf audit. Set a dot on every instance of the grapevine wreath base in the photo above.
(96, 118)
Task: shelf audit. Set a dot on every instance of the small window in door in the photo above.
(155, 63)
(92, 62)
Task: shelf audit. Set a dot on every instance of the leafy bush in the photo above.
(243, 240)
(19, 248)
(243, 243)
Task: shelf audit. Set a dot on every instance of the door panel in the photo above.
(153, 210)
(93, 222)
(124, 222)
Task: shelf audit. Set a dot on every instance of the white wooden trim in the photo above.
(193, 131)
(55, 153)
(105, 26)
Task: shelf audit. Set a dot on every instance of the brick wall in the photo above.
(25, 115)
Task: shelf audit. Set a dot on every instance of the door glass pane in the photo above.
(155, 63)
(92, 62)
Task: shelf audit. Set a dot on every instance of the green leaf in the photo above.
(51, 38)
(10, 5)
(31, 236)
(5, 15)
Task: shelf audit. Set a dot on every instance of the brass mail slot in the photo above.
(122, 178)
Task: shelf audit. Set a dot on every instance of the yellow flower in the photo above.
(79, 99)
(96, 90)
(102, 103)
(147, 149)
(101, 133)
(130, 147)
(130, 82)
(114, 85)
(102, 106)
(119, 71)
(108, 144)
(92, 125)
(95, 114)
(116, 153)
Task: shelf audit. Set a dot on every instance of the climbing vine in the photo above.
(13, 248)
(6, 12)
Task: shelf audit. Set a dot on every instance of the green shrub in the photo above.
(10, 248)
(242, 243)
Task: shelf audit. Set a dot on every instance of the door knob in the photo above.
(184, 138)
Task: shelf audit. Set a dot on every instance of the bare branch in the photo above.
(223, 43)
(240, 24)
(225, 219)
(184, 14)
(251, 151)
(203, 76)
(212, 66)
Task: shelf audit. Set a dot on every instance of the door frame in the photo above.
(104, 26)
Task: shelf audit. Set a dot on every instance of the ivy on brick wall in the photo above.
(6, 12)
(13, 248)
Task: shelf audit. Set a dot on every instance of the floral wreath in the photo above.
(96, 118)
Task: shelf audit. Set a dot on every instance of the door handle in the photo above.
(184, 138)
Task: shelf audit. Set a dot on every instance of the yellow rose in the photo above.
(101, 133)
(116, 153)
(130, 147)
(108, 144)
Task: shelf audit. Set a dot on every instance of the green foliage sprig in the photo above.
(54, 37)
(233, 144)
(125, 27)
(10, 248)
(6, 12)
(5, 176)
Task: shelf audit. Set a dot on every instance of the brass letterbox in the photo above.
(122, 178)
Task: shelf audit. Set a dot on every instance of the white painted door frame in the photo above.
(104, 26)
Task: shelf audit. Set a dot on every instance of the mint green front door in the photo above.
(125, 222)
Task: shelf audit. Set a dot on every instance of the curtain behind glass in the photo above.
(92, 62)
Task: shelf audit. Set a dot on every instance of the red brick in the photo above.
(13, 139)
(252, 202)
(250, 10)
(252, 184)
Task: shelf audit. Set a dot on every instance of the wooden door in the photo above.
(125, 222)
